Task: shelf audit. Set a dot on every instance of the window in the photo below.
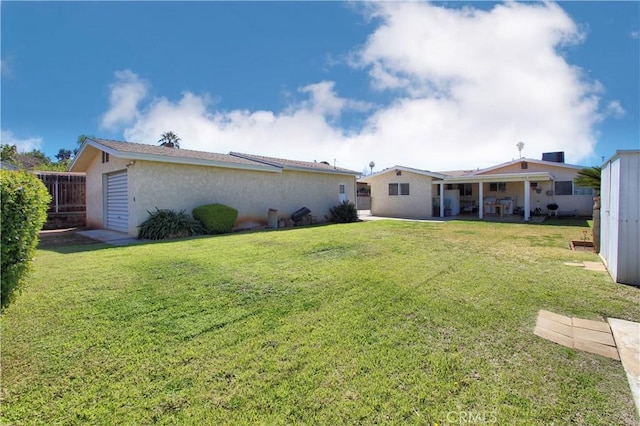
(465, 189)
(105, 157)
(582, 190)
(497, 186)
(398, 189)
(564, 187)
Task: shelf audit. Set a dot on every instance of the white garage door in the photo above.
(117, 205)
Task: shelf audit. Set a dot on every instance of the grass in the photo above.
(378, 322)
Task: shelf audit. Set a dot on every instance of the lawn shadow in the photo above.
(69, 241)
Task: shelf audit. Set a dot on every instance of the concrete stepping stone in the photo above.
(587, 335)
(616, 339)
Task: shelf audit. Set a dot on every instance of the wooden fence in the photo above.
(68, 198)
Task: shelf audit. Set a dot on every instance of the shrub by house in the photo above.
(25, 200)
(216, 218)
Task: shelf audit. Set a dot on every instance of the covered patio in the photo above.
(497, 195)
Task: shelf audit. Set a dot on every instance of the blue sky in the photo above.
(436, 86)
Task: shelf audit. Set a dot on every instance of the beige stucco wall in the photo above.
(418, 204)
(95, 175)
(178, 187)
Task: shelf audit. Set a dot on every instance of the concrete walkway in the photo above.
(113, 238)
(627, 336)
(365, 215)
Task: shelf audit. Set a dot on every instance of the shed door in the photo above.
(117, 205)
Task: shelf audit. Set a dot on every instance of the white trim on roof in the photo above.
(404, 169)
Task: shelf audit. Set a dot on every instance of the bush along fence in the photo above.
(24, 211)
(68, 199)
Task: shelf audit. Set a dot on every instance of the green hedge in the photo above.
(25, 200)
(216, 218)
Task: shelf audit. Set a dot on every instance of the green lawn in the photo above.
(378, 322)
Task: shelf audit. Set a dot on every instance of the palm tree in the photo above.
(170, 140)
(589, 177)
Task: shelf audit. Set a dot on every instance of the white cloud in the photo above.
(615, 109)
(468, 85)
(126, 93)
(472, 83)
(324, 101)
(23, 145)
(635, 35)
(5, 68)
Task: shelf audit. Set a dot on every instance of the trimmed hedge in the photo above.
(25, 201)
(344, 212)
(164, 223)
(216, 218)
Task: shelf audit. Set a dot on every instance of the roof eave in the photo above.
(500, 177)
(176, 160)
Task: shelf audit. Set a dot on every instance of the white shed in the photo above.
(620, 216)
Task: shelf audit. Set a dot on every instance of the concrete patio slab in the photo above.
(627, 337)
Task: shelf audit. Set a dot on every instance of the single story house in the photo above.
(125, 181)
(620, 216)
(524, 186)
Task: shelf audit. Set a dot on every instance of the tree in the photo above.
(170, 140)
(589, 177)
(80, 141)
(9, 154)
(63, 154)
(34, 160)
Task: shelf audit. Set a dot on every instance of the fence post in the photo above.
(56, 191)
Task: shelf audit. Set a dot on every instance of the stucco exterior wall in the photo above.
(418, 204)
(95, 175)
(178, 187)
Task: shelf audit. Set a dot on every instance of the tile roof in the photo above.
(233, 159)
(139, 148)
(295, 164)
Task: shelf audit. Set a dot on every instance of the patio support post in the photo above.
(441, 200)
(527, 200)
(480, 200)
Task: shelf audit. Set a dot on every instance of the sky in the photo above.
(434, 86)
